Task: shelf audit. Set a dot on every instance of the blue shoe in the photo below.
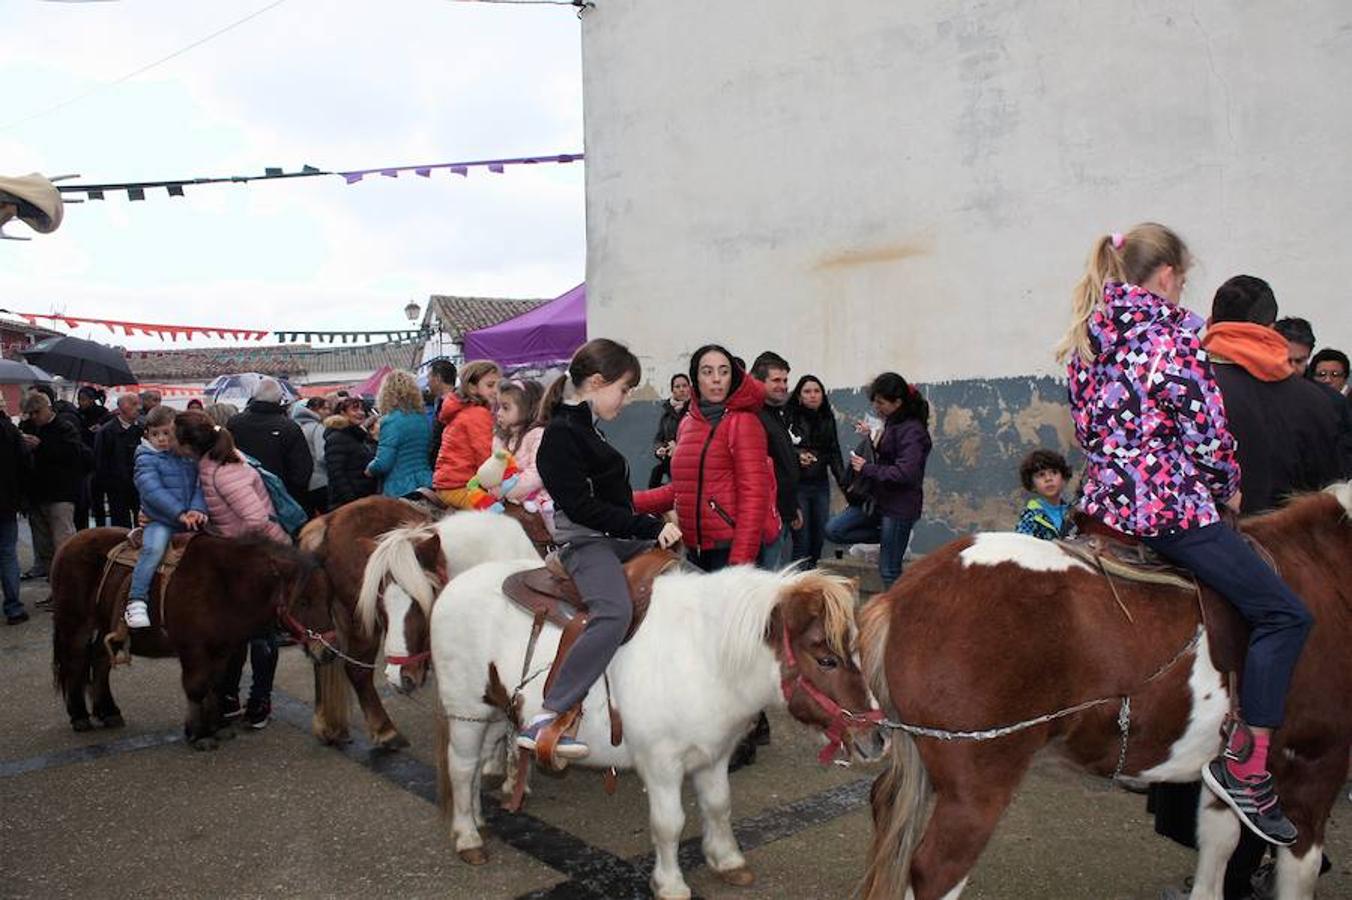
(569, 748)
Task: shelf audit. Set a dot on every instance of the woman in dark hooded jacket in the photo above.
(812, 427)
(348, 450)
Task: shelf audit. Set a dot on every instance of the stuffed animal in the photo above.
(495, 477)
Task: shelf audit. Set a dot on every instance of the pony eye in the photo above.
(827, 662)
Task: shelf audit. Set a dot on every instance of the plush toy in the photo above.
(497, 476)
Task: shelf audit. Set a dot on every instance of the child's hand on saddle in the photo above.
(669, 536)
(193, 519)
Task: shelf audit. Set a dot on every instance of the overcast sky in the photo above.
(337, 84)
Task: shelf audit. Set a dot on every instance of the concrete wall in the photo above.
(881, 185)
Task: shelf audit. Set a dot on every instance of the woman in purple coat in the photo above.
(890, 489)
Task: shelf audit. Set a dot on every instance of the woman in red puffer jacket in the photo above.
(722, 481)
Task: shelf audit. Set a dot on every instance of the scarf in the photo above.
(712, 412)
(1261, 351)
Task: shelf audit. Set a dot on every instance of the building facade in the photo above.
(916, 187)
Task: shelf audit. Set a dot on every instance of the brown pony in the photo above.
(342, 541)
(223, 593)
(1003, 630)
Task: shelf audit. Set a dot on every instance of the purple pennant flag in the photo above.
(352, 177)
(495, 167)
(423, 172)
(566, 157)
(390, 173)
(460, 170)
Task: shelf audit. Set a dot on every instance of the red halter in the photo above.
(842, 720)
(408, 660)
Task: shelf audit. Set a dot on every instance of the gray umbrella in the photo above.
(81, 360)
(14, 372)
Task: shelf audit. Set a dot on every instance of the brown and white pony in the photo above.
(999, 629)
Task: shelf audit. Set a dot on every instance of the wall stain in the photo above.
(876, 255)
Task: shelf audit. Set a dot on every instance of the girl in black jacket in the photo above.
(594, 520)
(348, 450)
(812, 426)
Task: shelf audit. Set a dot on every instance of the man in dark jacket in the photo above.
(1286, 433)
(115, 446)
(268, 434)
(58, 471)
(773, 371)
(440, 380)
(15, 463)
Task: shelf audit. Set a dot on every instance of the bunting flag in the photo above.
(188, 332)
(173, 187)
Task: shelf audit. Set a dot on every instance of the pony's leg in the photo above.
(378, 723)
(78, 656)
(196, 685)
(329, 723)
(715, 804)
(105, 707)
(1297, 875)
(466, 746)
(1217, 837)
(666, 818)
(973, 785)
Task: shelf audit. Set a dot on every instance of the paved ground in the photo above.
(135, 813)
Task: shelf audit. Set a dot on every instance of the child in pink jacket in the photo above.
(238, 506)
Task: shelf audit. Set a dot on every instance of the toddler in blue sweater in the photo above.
(171, 499)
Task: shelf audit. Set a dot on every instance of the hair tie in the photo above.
(1118, 239)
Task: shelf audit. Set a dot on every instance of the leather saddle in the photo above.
(550, 591)
(534, 525)
(125, 554)
(1128, 560)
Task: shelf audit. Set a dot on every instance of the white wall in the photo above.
(879, 184)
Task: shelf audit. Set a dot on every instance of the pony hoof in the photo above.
(82, 724)
(395, 741)
(113, 721)
(738, 877)
(206, 743)
(340, 739)
(474, 856)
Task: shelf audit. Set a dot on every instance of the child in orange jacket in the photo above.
(467, 438)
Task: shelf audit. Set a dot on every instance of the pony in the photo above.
(713, 651)
(1006, 630)
(222, 593)
(342, 540)
(405, 565)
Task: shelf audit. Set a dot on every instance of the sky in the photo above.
(336, 84)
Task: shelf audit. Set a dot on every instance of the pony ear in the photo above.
(430, 557)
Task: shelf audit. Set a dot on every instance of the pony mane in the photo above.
(1310, 510)
(368, 600)
(748, 598)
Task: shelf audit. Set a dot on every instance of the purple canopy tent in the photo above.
(546, 335)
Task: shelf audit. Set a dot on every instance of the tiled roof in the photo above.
(457, 315)
(291, 360)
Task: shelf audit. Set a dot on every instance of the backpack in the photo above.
(289, 514)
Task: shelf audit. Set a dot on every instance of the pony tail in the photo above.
(553, 397)
(1104, 265)
(223, 451)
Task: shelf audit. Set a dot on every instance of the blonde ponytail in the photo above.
(1129, 259)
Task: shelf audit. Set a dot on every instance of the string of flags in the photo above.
(174, 187)
(173, 332)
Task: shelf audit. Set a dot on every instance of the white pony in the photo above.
(713, 651)
(407, 568)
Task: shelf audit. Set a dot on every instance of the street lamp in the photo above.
(413, 310)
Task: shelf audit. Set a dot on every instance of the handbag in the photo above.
(859, 487)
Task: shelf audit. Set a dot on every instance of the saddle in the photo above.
(549, 594)
(534, 525)
(426, 500)
(125, 554)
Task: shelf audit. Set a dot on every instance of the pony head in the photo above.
(813, 633)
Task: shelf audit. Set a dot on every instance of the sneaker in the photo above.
(567, 747)
(257, 715)
(137, 616)
(1255, 802)
(230, 708)
(32, 574)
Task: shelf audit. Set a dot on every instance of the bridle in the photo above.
(843, 721)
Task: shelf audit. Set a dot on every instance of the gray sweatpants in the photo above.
(597, 566)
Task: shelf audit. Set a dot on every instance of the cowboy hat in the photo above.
(38, 201)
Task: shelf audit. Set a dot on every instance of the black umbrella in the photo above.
(81, 360)
(14, 372)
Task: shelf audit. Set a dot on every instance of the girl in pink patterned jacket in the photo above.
(1160, 464)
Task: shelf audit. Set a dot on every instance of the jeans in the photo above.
(852, 526)
(9, 562)
(154, 541)
(777, 554)
(1221, 559)
(597, 567)
(814, 499)
(52, 525)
